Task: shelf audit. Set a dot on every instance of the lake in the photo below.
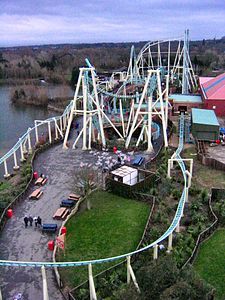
(15, 120)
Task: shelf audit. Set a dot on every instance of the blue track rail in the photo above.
(169, 231)
(23, 137)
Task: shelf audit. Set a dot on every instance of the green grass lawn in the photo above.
(113, 226)
(210, 262)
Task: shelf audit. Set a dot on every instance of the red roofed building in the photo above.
(213, 93)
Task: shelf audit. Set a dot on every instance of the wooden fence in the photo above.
(206, 160)
(205, 234)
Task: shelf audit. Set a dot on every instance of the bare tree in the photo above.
(85, 181)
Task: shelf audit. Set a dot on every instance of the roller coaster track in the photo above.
(166, 234)
(24, 137)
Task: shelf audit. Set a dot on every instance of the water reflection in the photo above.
(14, 119)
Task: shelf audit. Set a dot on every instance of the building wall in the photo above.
(205, 132)
(187, 104)
(217, 105)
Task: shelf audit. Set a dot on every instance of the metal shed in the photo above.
(204, 125)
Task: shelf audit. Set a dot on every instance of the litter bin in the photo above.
(36, 175)
(9, 213)
(114, 149)
(63, 231)
(51, 245)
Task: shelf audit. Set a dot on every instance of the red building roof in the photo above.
(214, 89)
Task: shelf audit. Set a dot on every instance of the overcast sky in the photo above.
(29, 22)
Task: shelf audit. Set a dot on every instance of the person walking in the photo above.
(35, 221)
(39, 221)
(25, 221)
(30, 220)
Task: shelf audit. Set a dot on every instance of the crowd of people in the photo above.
(29, 220)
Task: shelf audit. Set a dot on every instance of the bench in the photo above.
(36, 194)
(41, 181)
(74, 197)
(138, 160)
(67, 203)
(49, 227)
(61, 213)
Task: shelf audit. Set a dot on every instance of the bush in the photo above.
(194, 191)
(204, 196)
(154, 277)
(219, 208)
(176, 194)
(180, 290)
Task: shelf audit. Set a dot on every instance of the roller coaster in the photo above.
(96, 113)
(174, 226)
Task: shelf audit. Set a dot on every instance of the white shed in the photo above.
(126, 175)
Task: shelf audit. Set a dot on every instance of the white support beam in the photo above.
(167, 99)
(121, 116)
(130, 116)
(105, 116)
(130, 275)
(169, 169)
(178, 228)
(189, 178)
(60, 124)
(64, 122)
(49, 133)
(140, 136)
(56, 130)
(186, 194)
(155, 252)
(89, 132)
(45, 286)
(138, 109)
(128, 269)
(91, 284)
(6, 175)
(36, 132)
(164, 127)
(30, 150)
(16, 167)
(72, 110)
(84, 147)
(170, 242)
(59, 129)
(79, 135)
(149, 126)
(24, 146)
(21, 152)
(99, 109)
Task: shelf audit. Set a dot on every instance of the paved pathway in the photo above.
(30, 244)
(18, 243)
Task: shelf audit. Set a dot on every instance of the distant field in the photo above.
(210, 262)
(113, 226)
